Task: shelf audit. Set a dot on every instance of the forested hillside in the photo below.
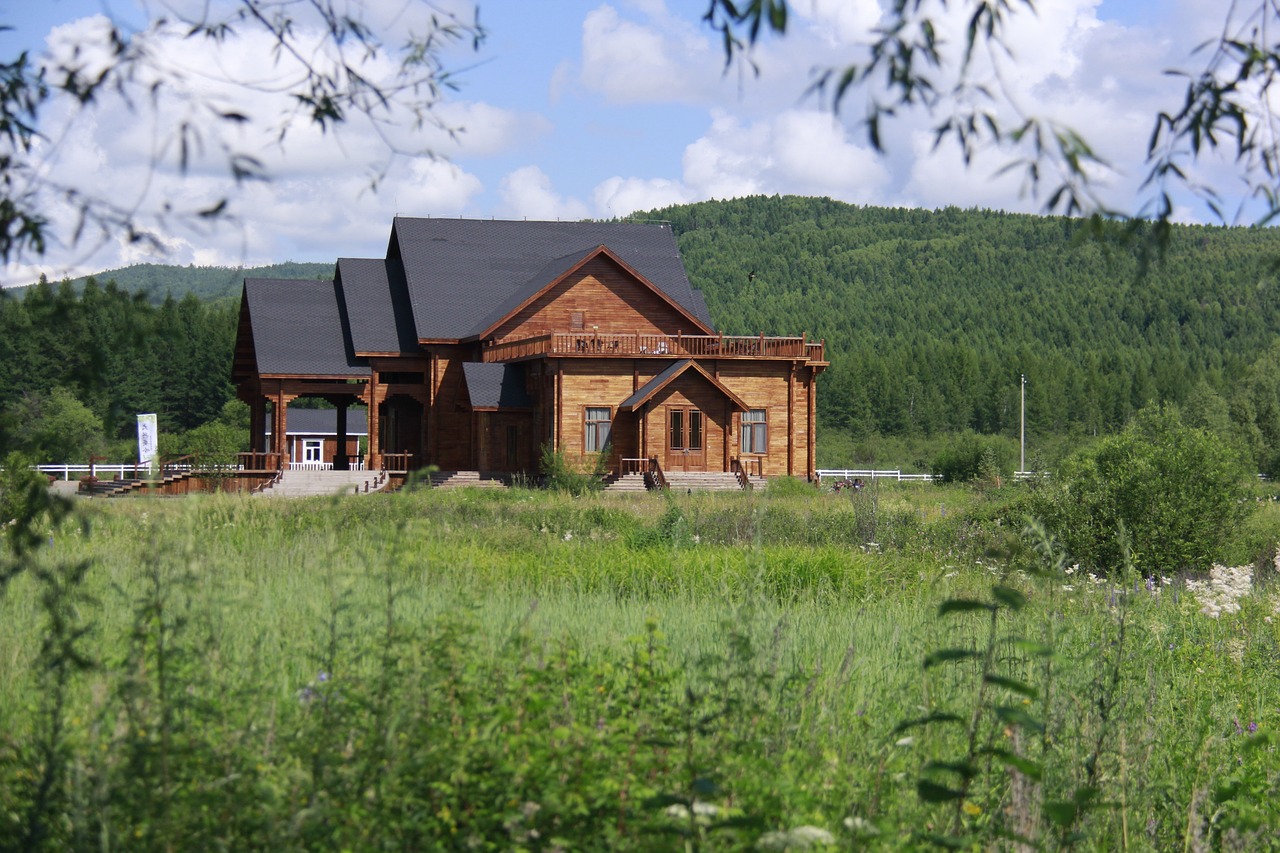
(76, 369)
(157, 282)
(931, 316)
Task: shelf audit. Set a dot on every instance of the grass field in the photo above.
(523, 670)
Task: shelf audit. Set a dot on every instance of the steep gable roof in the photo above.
(377, 305)
(650, 389)
(299, 328)
(557, 270)
(495, 386)
(458, 272)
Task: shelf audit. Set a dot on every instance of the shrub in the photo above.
(970, 456)
(560, 475)
(1174, 491)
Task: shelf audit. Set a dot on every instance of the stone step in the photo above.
(304, 483)
(702, 481)
(463, 479)
(627, 483)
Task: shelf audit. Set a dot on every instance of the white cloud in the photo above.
(623, 196)
(660, 60)
(803, 152)
(527, 194)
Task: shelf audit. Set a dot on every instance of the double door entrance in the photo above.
(686, 439)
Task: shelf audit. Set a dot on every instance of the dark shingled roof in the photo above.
(495, 386)
(443, 279)
(323, 422)
(459, 271)
(299, 329)
(377, 304)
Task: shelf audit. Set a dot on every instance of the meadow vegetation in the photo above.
(892, 668)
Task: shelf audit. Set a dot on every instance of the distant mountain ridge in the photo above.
(158, 281)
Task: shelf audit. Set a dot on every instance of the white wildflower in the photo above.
(906, 741)
(1068, 587)
(702, 812)
(1222, 592)
(1071, 570)
(800, 838)
(568, 534)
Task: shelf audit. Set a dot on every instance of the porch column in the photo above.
(812, 473)
(340, 461)
(377, 394)
(280, 423)
(791, 421)
(258, 423)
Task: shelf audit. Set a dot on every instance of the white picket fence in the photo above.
(102, 472)
(872, 474)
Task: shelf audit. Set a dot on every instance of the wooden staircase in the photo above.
(115, 488)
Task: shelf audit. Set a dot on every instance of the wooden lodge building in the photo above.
(473, 344)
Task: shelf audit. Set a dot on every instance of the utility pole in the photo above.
(1022, 429)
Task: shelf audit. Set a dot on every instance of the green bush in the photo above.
(1175, 492)
(560, 475)
(970, 456)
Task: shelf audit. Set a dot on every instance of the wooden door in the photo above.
(686, 439)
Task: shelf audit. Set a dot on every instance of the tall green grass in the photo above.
(521, 670)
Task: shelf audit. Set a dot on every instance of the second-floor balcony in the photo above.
(630, 345)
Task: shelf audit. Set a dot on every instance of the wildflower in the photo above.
(799, 838)
(1071, 570)
(972, 809)
(861, 826)
(1252, 727)
(568, 535)
(1068, 587)
(906, 741)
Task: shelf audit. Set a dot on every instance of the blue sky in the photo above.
(588, 108)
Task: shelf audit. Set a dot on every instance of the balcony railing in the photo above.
(597, 344)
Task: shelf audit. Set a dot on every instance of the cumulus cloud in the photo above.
(527, 194)
(659, 59)
(800, 152)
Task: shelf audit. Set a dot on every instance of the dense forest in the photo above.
(930, 317)
(77, 368)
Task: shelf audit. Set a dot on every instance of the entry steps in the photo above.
(303, 484)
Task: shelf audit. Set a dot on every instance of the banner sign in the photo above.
(148, 435)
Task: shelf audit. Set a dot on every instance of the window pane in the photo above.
(695, 430)
(755, 435)
(596, 429)
(676, 441)
(760, 439)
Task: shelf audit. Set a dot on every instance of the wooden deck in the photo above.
(629, 345)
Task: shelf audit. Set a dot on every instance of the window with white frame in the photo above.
(312, 450)
(596, 435)
(755, 431)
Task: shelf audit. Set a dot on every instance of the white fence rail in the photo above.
(65, 472)
(872, 474)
